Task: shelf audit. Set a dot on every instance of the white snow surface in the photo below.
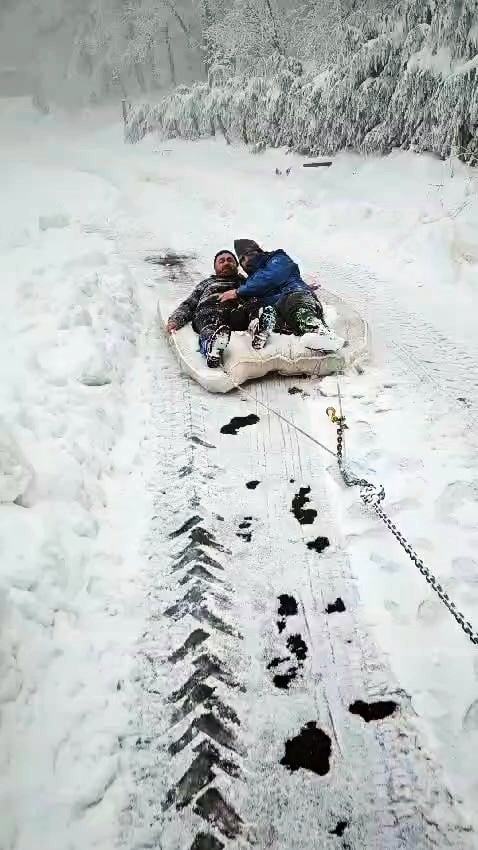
(398, 238)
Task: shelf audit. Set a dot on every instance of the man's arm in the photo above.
(185, 312)
(271, 277)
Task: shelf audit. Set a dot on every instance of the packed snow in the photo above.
(80, 211)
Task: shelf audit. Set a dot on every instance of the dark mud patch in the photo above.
(310, 750)
(297, 391)
(170, 259)
(287, 606)
(305, 516)
(244, 533)
(276, 661)
(251, 485)
(340, 828)
(206, 841)
(297, 645)
(283, 680)
(238, 422)
(319, 544)
(336, 607)
(370, 711)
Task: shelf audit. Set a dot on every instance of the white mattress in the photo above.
(285, 354)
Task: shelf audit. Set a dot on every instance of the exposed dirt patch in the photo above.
(305, 516)
(297, 646)
(370, 711)
(238, 422)
(283, 680)
(310, 750)
(170, 259)
(336, 607)
(319, 544)
(340, 828)
(288, 606)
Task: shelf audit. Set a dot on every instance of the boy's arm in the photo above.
(271, 277)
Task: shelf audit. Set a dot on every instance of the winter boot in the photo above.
(215, 345)
(264, 327)
(308, 322)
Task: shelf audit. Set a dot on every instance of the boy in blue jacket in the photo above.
(274, 280)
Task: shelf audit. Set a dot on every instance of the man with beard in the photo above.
(214, 319)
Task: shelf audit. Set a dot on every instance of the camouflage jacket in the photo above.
(207, 290)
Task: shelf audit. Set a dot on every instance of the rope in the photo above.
(371, 495)
(278, 414)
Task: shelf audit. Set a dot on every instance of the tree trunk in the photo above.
(172, 69)
(179, 19)
(275, 34)
(122, 86)
(223, 129)
(205, 46)
(138, 70)
(155, 76)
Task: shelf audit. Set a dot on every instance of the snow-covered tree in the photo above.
(318, 75)
(82, 49)
(401, 78)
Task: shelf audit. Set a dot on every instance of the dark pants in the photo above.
(294, 311)
(236, 315)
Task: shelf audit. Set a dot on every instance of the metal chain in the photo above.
(373, 496)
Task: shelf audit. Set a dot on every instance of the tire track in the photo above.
(190, 748)
(433, 357)
(347, 667)
(221, 750)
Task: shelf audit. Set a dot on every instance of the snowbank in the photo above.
(15, 472)
(69, 321)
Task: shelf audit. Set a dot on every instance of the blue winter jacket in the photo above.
(273, 276)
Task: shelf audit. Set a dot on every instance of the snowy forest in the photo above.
(315, 76)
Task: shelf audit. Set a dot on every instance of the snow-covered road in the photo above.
(163, 623)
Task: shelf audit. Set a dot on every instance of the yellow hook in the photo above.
(332, 414)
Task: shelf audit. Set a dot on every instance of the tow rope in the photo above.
(373, 496)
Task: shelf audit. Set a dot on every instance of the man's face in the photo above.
(225, 266)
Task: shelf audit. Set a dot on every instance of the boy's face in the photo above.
(246, 260)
